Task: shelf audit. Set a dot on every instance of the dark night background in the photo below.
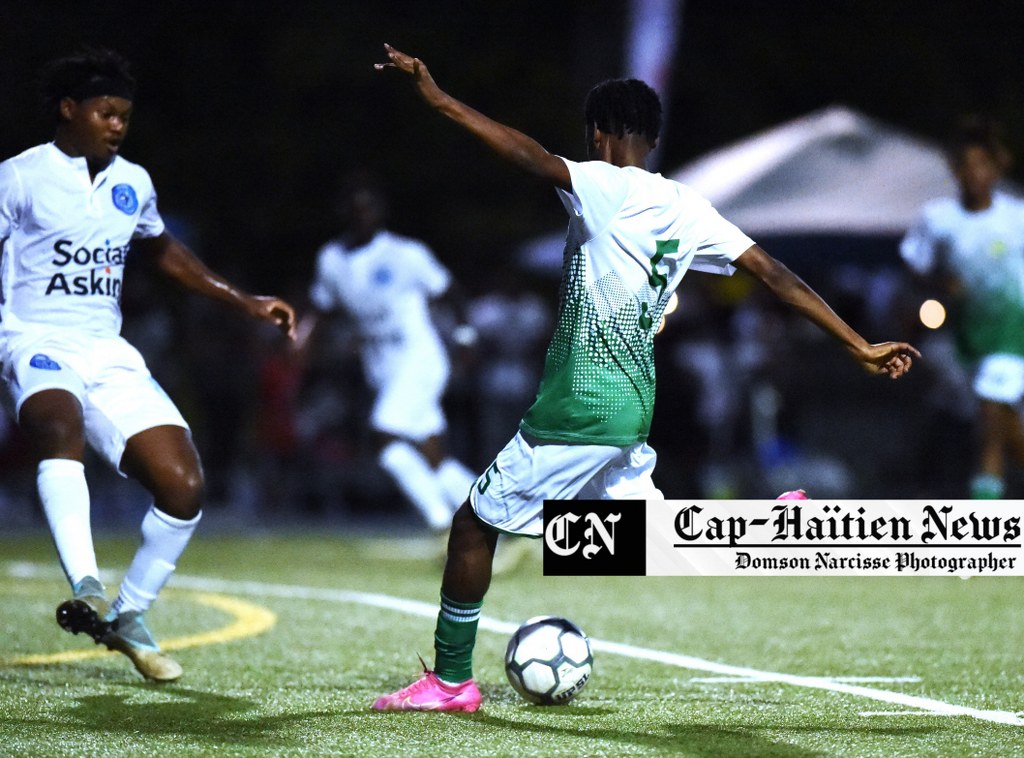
(248, 112)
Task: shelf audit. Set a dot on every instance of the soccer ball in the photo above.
(548, 660)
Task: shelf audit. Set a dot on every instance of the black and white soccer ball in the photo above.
(548, 660)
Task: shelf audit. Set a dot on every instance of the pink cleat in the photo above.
(793, 495)
(428, 693)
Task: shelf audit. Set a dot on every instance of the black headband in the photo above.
(100, 85)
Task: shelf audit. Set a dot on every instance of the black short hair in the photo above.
(624, 106)
(360, 179)
(357, 181)
(978, 131)
(78, 75)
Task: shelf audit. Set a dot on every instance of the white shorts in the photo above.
(408, 401)
(119, 396)
(1000, 378)
(510, 494)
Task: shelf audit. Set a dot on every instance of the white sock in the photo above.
(418, 482)
(163, 540)
(65, 498)
(456, 481)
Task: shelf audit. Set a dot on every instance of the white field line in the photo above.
(898, 713)
(429, 611)
(856, 679)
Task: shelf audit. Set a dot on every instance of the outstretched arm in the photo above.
(515, 147)
(891, 358)
(175, 261)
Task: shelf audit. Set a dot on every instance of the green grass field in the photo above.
(287, 640)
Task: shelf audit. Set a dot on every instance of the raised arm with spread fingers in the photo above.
(517, 148)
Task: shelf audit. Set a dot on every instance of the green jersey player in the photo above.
(972, 247)
(632, 236)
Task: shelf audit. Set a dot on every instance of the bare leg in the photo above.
(993, 438)
(467, 576)
(53, 425)
(432, 449)
(164, 460)
(467, 572)
(1000, 435)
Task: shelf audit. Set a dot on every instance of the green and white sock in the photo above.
(454, 638)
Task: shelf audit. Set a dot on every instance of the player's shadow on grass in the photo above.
(190, 714)
(696, 740)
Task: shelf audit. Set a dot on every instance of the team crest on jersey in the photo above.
(125, 199)
(382, 276)
(44, 362)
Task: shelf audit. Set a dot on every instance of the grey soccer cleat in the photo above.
(86, 611)
(128, 634)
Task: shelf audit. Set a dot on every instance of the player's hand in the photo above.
(417, 69)
(276, 311)
(893, 359)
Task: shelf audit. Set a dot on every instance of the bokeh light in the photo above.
(932, 313)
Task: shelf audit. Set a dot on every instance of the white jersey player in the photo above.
(632, 236)
(972, 246)
(71, 212)
(384, 282)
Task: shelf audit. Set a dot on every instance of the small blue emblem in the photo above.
(44, 362)
(125, 199)
(382, 276)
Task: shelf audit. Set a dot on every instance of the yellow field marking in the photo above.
(249, 621)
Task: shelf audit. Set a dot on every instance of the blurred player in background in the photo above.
(70, 212)
(385, 283)
(632, 235)
(972, 249)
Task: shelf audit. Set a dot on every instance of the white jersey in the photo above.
(66, 238)
(984, 251)
(632, 236)
(385, 286)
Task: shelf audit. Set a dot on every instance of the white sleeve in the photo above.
(427, 270)
(150, 223)
(11, 199)
(599, 190)
(919, 247)
(321, 291)
(720, 242)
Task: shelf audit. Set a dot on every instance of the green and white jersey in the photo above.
(632, 236)
(984, 251)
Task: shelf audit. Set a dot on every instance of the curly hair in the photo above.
(624, 106)
(979, 131)
(91, 72)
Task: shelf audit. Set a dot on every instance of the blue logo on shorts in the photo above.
(125, 199)
(44, 362)
(383, 276)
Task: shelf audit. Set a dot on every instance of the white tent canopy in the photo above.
(834, 171)
(831, 172)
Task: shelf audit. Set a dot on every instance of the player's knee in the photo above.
(180, 492)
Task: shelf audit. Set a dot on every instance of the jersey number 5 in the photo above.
(657, 279)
